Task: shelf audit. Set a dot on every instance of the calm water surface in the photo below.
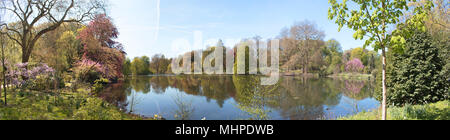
(241, 97)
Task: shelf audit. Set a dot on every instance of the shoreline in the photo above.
(434, 111)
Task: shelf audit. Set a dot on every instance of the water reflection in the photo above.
(241, 97)
(184, 108)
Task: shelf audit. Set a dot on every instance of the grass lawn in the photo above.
(435, 111)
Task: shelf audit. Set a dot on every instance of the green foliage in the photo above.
(42, 83)
(334, 46)
(354, 76)
(97, 109)
(159, 64)
(437, 25)
(417, 76)
(59, 106)
(140, 66)
(335, 65)
(371, 19)
(69, 49)
(11, 51)
(60, 49)
(369, 58)
(435, 111)
(86, 74)
(99, 84)
(333, 57)
(169, 69)
(407, 29)
(361, 54)
(79, 53)
(127, 67)
(250, 95)
(246, 63)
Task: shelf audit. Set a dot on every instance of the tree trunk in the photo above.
(383, 105)
(1, 87)
(25, 59)
(4, 73)
(25, 54)
(4, 88)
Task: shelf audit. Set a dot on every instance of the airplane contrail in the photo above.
(158, 12)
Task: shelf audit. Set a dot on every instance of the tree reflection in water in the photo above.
(253, 98)
(357, 90)
(184, 108)
(294, 98)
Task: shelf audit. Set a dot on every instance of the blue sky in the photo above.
(230, 20)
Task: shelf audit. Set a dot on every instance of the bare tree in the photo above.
(28, 14)
(257, 40)
(307, 34)
(155, 63)
(300, 44)
(287, 48)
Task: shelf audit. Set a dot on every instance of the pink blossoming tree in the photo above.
(354, 65)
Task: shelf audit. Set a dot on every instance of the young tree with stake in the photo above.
(371, 20)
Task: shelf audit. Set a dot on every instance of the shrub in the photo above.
(99, 85)
(416, 76)
(97, 109)
(88, 71)
(367, 70)
(375, 73)
(354, 66)
(39, 76)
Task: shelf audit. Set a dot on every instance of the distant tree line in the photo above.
(302, 47)
(144, 65)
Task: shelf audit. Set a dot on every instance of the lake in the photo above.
(196, 97)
